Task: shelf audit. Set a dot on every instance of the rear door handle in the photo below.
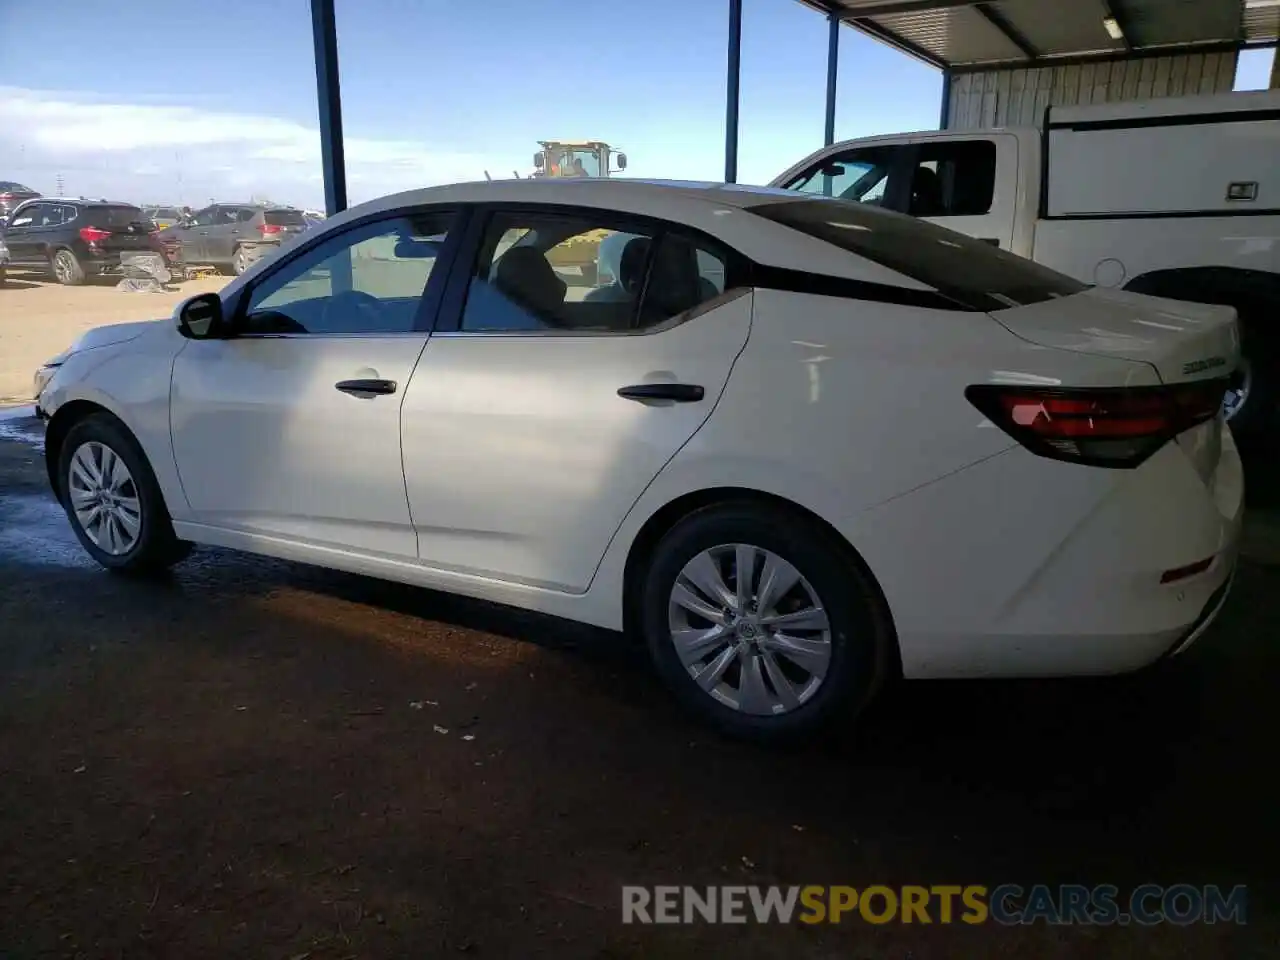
(367, 387)
(678, 392)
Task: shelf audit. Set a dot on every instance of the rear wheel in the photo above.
(760, 624)
(67, 269)
(113, 501)
(1252, 404)
(239, 261)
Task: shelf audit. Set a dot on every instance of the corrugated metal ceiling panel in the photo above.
(1064, 29)
(955, 35)
(962, 32)
(1162, 22)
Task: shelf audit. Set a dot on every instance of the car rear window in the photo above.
(285, 218)
(116, 216)
(972, 272)
(9, 186)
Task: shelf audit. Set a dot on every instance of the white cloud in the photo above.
(146, 149)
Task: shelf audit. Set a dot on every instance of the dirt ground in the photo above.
(39, 318)
(259, 759)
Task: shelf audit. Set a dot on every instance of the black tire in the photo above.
(156, 547)
(66, 268)
(861, 635)
(3, 276)
(1257, 424)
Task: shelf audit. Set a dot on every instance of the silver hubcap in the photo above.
(104, 498)
(749, 629)
(1238, 393)
(62, 265)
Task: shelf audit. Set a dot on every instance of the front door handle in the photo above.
(678, 392)
(367, 387)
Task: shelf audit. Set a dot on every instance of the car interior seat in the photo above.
(926, 194)
(526, 278)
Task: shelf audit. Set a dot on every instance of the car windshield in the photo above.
(969, 271)
(164, 213)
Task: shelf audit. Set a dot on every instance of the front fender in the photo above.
(130, 381)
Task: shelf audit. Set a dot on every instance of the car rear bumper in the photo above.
(1057, 579)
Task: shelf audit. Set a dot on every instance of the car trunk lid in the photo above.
(1184, 342)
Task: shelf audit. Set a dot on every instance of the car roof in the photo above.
(722, 211)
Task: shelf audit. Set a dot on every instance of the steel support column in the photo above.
(731, 93)
(833, 63)
(944, 116)
(329, 97)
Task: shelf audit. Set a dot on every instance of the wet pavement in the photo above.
(260, 759)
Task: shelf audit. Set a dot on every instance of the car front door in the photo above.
(290, 428)
(543, 406)
(21, 234)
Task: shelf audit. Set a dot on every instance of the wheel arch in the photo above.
(1248, 290)
(60, 424)
(665, 517)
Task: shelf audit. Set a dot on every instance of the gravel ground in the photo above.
(259, 759)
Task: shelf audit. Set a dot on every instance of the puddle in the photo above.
(36, 531)
(20, 425)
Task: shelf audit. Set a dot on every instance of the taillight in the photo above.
(93, 235)
(271, 228)
(1101, 427)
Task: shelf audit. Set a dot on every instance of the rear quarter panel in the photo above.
(1111, 252)
(842, 406)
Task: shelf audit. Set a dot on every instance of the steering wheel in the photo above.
(339, 309)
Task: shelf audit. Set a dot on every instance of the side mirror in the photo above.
(200, 317)
(538, 160)
(622, 161)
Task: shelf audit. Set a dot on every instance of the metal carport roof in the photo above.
(971, 33)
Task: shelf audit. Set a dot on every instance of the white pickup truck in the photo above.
(1178, 197)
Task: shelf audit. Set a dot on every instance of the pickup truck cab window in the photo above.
(861, 175)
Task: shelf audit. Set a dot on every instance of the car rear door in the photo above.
(221, 237)
(543, 406)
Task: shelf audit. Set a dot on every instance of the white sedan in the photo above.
(798, 445)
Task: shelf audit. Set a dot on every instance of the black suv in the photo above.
(231, 236)
(75, 239)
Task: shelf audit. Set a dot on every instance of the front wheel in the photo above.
(761, 624)
(67, 269)
(113, 501)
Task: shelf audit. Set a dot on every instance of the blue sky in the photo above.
(193, 101)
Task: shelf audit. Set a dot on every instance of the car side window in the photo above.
(861, 175)
(225, 215)
(245, 214)
(556, 272)
(69, 213)
(55, 214)
(366, 280)
(205, 217)
(29, 216)
(954, 178)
